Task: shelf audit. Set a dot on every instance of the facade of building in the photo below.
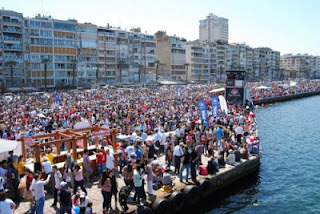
(172, 56)
(301, 64)
(130, 55)
(197, 56)
(11, 49)
(213, 29)
(51, 43)
(87, 54)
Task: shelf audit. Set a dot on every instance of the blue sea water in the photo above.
(289, 176)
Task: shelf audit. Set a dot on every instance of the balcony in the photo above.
(11, 40)
(13, 48)
(12, 21)
(12, 30)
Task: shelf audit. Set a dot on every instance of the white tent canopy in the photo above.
(293, 84)
(7, 146)
(217, 90)
(262, 87)
(82, 125)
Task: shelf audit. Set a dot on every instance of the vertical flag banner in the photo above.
(215, 106)
(57, 98)
(179, 89)
(203, 112)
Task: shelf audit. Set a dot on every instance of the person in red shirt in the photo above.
(104, 158)
(99, 160)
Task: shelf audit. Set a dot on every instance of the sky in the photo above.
(288, 26)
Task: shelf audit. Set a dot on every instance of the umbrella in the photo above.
(82, 125)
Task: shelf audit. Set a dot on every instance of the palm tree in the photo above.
(186, 66)
(121, 65)
(11, 64)
(45, 61)
(140, 69)
(97, 74)
(74, 61)
(157, 62)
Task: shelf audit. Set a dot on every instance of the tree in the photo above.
(140, 69)
(74, 63)
(186, 66)
(45, 61)
(158, 63)
(121, 65)
(97, 73)
(11, 64)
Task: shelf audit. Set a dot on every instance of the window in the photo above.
(64, 26)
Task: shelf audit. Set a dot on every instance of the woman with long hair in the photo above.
(67, 174)
(106, 190)
(78, 180)
(127, 173)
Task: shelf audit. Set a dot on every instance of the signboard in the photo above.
(235, 96)
(100, 133)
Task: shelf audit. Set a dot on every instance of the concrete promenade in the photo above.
(94, 192)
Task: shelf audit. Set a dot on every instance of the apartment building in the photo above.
(11, 49)
(213, 29)
(197, 56)
(87, 54)
(107, 55)
(128, 56)
(172, 56)
(51, 43)
(301, 64)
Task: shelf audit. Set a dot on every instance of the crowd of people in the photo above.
(282, 88)
(174, 121)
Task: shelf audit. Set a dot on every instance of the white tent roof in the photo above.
(217, 90)
(262, 87)
(7, 145)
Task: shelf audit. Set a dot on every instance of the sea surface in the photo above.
(289, 176)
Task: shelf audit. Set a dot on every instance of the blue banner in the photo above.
(203, 112)
(179, 89)
(57, 98)
(215, 106)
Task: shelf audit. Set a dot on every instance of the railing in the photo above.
(12, 21)
(12, 30)
(11, 39)
(12, 48)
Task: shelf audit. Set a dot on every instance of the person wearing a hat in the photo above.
(47, 168)
(65, 198)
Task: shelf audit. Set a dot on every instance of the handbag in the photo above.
(27, 195)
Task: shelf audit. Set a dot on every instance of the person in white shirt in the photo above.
(7, 206)
(231, 159)
(178, 154)
(57, 180)
(110, 160)
(144, 137)
(163, 142)
(239, 132)
(37, 188)
(47, 168)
